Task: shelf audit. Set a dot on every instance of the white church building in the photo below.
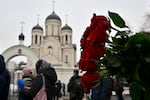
(52, 43)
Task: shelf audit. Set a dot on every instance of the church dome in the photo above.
(53, 16)
(38, 27)
(66, 27)
(21, 36)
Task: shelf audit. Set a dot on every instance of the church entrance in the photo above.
(17, 57)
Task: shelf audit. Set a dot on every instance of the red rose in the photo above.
(94, 52)
(100, 20)
(82, 64)
(84, 54)
(87, 32)
(88, 65)
(92, 46)
(97, 36)
(83, 43)
(89, 79)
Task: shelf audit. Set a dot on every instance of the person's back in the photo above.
(4, 80)
(49, 74)
(50, 79)
(27, 78)
(75, 88)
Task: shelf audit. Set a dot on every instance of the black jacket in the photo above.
(50, 79)
(75, 90)
(4, 80)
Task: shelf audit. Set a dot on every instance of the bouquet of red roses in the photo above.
(92, 49)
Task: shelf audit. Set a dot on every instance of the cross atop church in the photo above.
(66, 18)
(22, 23)
(38, 18)
(53, 4)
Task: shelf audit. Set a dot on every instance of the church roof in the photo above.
(21, 36)
(53, 16)
(66, 27)
(37, 27)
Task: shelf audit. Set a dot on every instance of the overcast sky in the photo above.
(79, 12)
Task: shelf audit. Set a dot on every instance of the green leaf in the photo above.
(135, 91)
(147, 59)
(121, 33)
(103, 73)
(114, 61)
(117, 20)
(119, 42)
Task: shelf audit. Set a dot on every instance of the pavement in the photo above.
(126, 97)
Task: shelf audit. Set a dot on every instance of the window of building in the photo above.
(40, 39)
(52, 30)
(66, 59)
(35, 39)
(66, 39)
(50, 50)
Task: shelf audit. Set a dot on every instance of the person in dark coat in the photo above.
(64, 89)
(57, 90)
(50, 78)
(75, 87)
(4, 80)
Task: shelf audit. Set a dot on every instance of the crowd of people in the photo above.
(31, 86)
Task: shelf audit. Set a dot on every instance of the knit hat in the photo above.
(27, 70)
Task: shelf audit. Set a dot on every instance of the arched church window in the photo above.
(50, 49)
(40, 39)
(66, 39)
(52, 30)
(35, 39)
(66, 59)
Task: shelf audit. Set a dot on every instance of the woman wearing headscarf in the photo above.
(42, 67)
(4, 80)
(27, 78)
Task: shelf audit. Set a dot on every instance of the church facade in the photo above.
(55, 43)
(52, 43)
